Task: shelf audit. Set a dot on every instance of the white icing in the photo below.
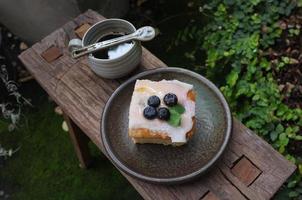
(144, 89)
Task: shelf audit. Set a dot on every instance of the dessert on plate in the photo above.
(162, 112)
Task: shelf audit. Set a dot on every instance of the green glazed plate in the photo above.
(168, 164)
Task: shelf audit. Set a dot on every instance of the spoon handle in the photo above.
(102, 45)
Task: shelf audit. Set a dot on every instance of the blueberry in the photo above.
(170, 99)
(150, 112)
(163, 113)
(154, 101)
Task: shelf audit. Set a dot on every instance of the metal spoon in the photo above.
(142, 34)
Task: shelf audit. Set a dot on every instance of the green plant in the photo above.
(234, 39)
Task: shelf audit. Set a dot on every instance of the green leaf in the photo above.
(232, 78)
(300, 168)
(175, 114)
(291, 158)
(283, 139)
(289, 116)
(273, 135)
(255, 2)
(175, 118)
(293, 194)
(298, 137)
(279, 128)
(221, 8)
(256, 19)
(292, 184)
(178, 108)
(256, 97)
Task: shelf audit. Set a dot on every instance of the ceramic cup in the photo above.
(115, 67)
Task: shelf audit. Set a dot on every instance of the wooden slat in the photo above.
(82, 95)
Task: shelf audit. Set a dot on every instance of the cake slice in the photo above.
(162, 112)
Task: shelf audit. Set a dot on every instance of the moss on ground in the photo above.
(46, 166)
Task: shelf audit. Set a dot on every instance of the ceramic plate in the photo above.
(168, 164)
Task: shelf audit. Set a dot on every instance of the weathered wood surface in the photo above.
(82, 95)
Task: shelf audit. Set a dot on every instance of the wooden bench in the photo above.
(249, 169)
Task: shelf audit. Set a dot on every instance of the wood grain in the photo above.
(82, 95)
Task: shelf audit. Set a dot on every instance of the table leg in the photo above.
(80, 142)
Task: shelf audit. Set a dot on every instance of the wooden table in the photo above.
(249, 169)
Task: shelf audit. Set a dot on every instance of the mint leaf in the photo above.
(175, 114)
(177, 108)
(175, 118)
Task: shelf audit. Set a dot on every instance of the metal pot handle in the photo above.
(74, 44)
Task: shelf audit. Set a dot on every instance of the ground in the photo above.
(46, 165)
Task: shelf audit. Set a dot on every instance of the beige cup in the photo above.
(116, 67)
